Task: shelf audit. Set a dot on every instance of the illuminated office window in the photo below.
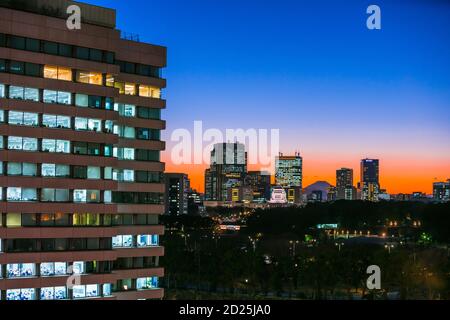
(21, 294)
(58, 73)
(130, 89)
(90, 77)
(149, 92)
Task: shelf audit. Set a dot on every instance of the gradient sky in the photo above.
(337, 91)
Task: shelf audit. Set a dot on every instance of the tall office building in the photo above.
(288, 171)
(344, 184)
(227, 170)
(259, 183)
(177, 193)
(441, 191)
(80, 174)
(369, 185)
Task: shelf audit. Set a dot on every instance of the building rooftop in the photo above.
(90, 14)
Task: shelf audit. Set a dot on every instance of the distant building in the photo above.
(177, 193)
(259, 182)
(344, 181)
(332, 194)
(441, 191)
(316, 196)
(369, 185)
(227, 170)
(288, 171)
(278, 195)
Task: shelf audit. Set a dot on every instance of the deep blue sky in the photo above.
(310, 68)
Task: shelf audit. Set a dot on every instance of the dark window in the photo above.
(65, 50)
(93, 244)
(32, 69)
(79, 172)
(48, 244)
(17, 42)
(96, 55)
(29, 220)
(82, 53)
(33, 45)
(149, 113)
(77, 244)
(109, 57)
(94, 149)
(80, 147)
(61, 219)
(95, 102)
(16, 67)
(130, 67)
(2, 40)
(50, 47)
(143, 70)
(121, 65)
(141, 219)
(127, 219)
(21, 245)
(2, 65)
(147, 155)
(60, 244)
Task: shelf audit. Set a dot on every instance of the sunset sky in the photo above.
(337, 91)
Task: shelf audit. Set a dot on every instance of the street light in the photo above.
(339, 245)
(389, 247)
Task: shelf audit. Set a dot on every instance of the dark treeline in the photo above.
(200, 263)
(353, 215)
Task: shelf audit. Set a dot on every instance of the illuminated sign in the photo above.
(327, 226)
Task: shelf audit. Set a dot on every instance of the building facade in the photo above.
(344, 183)
(81, 184)
(259, 182)
(177, 193)
(227, 170)
(369, 185)
(441, 191)
(288, 171)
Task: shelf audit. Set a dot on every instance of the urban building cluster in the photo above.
(229, 183)
(81, 186)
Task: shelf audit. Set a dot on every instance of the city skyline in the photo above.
(337, 91)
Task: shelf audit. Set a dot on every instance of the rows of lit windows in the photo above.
(57, 146)
(59, 293)
(54, 121)
(131, 241)
(130, 111)
(52, 269)
(88, 77)
(79, 124)
(17, 220)
(133, 89)
(146, 283)
(19, 194)
(56, 97)
(52, 170)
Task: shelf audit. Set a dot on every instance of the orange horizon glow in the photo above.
(405, 175)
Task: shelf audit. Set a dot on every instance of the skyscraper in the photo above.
(344, 184)
(259, 182)
(177, 193)
(288, 171)
(227, 170)
(81, 179)
(369, 185)
(441, 191)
